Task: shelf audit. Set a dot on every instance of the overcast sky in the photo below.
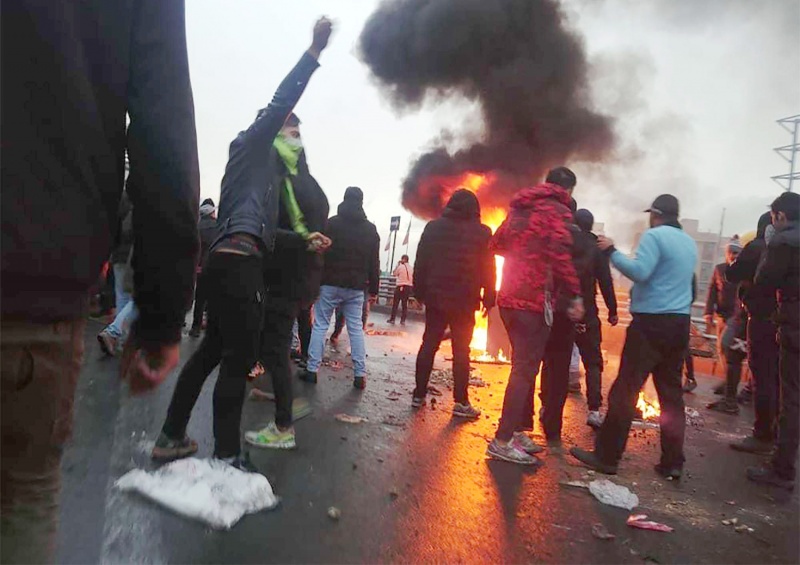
(695, 86)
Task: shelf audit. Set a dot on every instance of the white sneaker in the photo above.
(595, 419)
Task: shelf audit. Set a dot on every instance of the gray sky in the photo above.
(695, 85)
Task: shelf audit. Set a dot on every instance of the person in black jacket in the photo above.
(760, 305)
(208, 230)
(351, 266)
(588, 335)
(721, 304)
(780, 269)
(291, 276)
(248, 222)
(71, 73)
(454, 273)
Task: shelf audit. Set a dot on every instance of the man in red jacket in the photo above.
(536, 242)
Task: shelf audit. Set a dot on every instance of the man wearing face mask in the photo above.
(291, 275)
(248, 222)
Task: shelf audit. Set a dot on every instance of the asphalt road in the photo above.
(411, 487)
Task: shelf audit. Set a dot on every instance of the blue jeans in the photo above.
(122, 323)
(351, 301)
(121, 296)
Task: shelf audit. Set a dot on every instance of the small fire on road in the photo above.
(649, 409)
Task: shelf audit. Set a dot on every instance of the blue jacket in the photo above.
(661, 270)
(250, 195)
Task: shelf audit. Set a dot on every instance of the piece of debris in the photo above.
(256, 394)
(392, 420)
(601, 532)
(394, 395)
(560, 527)
(334, 513)
(730, 522)
(383, 332)
(613, 494)
(394, 494)
(574, 484)
(640, 521)
(334, 364)
(348, 419)
(744, 528)
(693, 417)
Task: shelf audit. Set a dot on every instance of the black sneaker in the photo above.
(241, 462)
(390, 321)
(167, 449)
(307, 376)
(590, 459)
(767, 476)
(723, 406)
(672, 473)
(360, 383)
(752, 444)
(195, 331)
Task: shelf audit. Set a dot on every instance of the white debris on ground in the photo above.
(203, 489)
(444, 377)
(613, 494)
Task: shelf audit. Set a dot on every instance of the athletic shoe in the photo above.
(595, 419)
(689, 385)
(527, 444)
(719, 390)
(241, 462)
(466, 411)
(360, 383)
(751, 444)
(271, 437)
(767, 476)
(417, 402)
(195, 331)
(510, 452)
(390, 321)
(307, 376)
(672, 473)
(108, 343)
(167, 449)
(590, 459)
(723, 406)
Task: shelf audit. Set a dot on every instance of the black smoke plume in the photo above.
(522, 64)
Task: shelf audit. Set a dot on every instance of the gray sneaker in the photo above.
(466, 411)
(510, 452)
(527, 444)
(595, 419)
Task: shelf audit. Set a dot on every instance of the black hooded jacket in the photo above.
(353, 259)
(759, 299)
(780, 268)
(292, 272)
(593, 271)
(453, 260)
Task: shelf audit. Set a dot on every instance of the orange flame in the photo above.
(650, 409)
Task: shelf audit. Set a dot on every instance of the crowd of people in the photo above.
(269, 254)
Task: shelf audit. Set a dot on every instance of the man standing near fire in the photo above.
(656, 342)
(536, 242)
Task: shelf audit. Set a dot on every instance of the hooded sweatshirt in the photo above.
(780, 268)
(353, 260)
(536, 241)
(759, 299)
(454, 268)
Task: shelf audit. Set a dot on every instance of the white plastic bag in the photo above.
(204, 489)
(613, 494)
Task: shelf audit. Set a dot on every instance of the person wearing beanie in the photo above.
(656, 341)
(352, 265)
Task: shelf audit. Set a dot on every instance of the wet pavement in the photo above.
(412, 486)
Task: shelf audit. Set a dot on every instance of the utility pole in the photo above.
(789, 152)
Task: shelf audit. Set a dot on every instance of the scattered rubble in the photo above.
(334, 513)
(444, 377)
(348, 419)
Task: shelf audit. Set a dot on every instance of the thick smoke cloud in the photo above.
(522, 64)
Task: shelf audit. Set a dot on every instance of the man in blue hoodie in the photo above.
(656, 342)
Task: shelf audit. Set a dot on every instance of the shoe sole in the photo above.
(172, 455)
(500, 457)
(278, 445)
(466, 416)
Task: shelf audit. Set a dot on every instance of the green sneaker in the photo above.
(271, 437)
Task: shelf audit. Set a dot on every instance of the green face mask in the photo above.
(289, 149)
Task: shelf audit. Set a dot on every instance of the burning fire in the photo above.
(650, 409)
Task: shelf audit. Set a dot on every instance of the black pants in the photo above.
(235, 294)
(588, 342)
(785, 458)
(763, 355)
(654, 343)
(555, 376)
(304, 324)
(689, 364)
(276, 345)
(200, 300)
(401, 296)
(734, 358)
(461, 323)
(528, 334)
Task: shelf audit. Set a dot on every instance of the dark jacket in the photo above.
(759, 300)
(249, 198)
(594, 271)
(352, 261)
(209, 232)
(536, 242)
(71, 72)
(780, 268)
(453, 262)
(292, 272)
(721, 299)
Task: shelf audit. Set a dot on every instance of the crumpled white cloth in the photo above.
(613, 494)
(208, 490)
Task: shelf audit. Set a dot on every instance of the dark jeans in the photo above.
(588, 343)
(555, 376)
(764, 352)
(689, 364)
(401, 296)
(528, 334)
(785, 458)
(304, 331)
(200, 300)
(276, 344)
(40, 368)
(654, 343)
(461, 324)
(235, 294)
